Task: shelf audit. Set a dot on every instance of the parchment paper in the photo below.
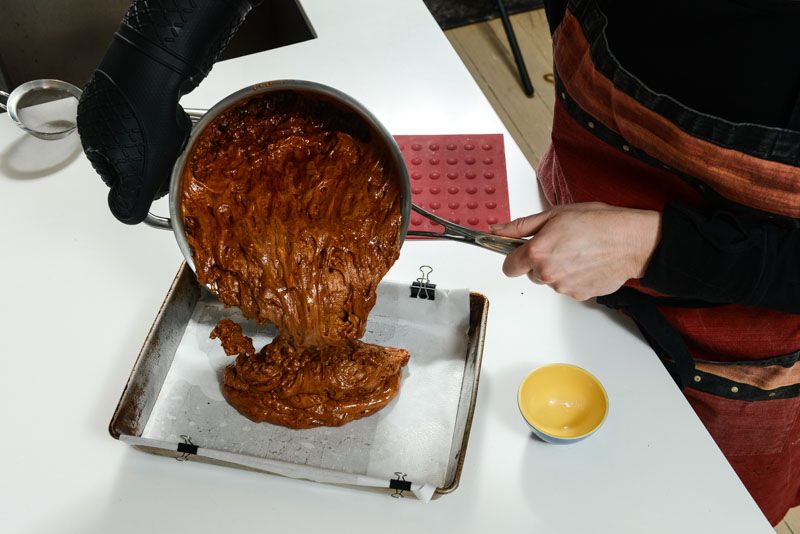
(413, 434)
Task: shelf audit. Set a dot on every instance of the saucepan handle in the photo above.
(456, 232)
(157, 221)
(195, 114)
(500, 244)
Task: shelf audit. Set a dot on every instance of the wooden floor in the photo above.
(484, 50)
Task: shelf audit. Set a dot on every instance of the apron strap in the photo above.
(662, 336)
(626, 296)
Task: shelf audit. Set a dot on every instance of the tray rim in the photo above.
(479, 342)
(112, 430)
(184, 270)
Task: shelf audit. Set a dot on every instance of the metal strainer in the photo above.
(46, 109)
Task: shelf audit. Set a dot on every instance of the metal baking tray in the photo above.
(156, 355)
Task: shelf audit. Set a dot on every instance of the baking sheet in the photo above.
(413, 434)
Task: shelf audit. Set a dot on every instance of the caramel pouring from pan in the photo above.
(452, 231)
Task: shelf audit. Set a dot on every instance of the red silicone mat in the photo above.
(461, 178)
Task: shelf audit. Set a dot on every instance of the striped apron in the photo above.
(616, 141)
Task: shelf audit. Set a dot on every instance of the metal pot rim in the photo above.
(305, 86)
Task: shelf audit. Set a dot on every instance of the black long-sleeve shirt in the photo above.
(738, 60)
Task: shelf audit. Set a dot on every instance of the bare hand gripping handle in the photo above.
(131, 126)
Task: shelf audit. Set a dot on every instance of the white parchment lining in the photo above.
(413, 434)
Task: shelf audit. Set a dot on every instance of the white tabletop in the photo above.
(81, 291)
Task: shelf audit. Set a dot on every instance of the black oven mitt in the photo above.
(131, 126)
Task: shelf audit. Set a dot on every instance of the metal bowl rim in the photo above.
(45, 83)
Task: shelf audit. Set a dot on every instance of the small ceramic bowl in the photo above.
(562, 403)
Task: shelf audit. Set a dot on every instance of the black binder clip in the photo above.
(399, 485)
(186, 448)
(422, 287)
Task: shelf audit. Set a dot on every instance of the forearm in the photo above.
(716, 256)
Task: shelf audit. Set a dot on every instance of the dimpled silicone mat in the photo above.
(461, 178)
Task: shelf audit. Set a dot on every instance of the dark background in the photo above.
(66, 39)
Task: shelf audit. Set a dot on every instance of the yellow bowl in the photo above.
(562, 403)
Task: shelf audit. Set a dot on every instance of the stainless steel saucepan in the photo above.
(202, 119)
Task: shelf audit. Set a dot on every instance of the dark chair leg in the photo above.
(512, 41)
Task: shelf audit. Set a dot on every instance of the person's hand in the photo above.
(583, 250)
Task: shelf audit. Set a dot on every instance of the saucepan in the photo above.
(203, 118)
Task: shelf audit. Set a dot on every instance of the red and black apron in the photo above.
(616, 141)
